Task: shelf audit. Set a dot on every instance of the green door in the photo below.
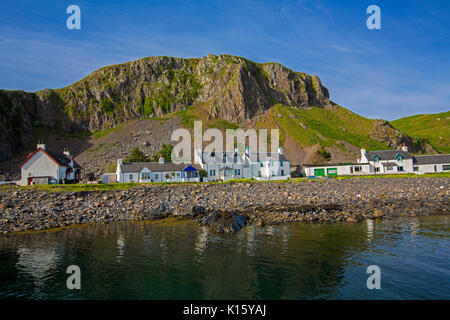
(332, 172)
(319, 172)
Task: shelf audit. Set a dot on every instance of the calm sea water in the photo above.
(168, 260)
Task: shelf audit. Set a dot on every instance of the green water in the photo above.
(184, 261)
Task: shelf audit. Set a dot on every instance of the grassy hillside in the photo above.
(432, 127)
(321, 126)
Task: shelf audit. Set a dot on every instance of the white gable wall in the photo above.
(40, 165)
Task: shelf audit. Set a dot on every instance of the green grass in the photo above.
(324, 126)
(99, 134)
(123, 186)
(427, 128)
(403, 175)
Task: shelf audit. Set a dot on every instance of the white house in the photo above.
(225, 165)
(156, 172)
(431, 163)
(383, 162)
(388, 161)
(269, 165)
(47, 167)
(339, 169)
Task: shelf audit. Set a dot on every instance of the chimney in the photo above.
(66, 152)
(363, 154)
(161, 160)
(405, 147)
(41, 145)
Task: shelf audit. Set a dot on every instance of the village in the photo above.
(44, 166)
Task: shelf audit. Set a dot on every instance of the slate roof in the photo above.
(387, 154)
(267, 156)
(432, 159)
(155, 166)
(218, 157)
(62, 159)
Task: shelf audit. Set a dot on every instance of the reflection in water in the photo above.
(120, 247)
(138, 260)
(202, 240)
(38, 264)
(370, 225)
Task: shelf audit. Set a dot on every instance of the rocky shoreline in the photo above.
(230, 206)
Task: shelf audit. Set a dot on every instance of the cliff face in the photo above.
(225, 87)
(231, 88)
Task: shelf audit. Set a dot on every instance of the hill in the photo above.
(124, 105)
(431, 128)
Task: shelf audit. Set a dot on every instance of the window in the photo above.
(237, 172)
(376, 158)
(282, 172)
(156, 176)
(435, 168)
(131, 177)
(178, 174)
(262, 165)
(446, 167)
(146, 176)
(400, 169)
(358, 169)
(377, 169)
(389, 168)
(399, 157)
(259, 173)
(416, 168)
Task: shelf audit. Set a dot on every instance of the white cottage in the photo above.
(383, 162)
(225, 165)
(47, 167)
(156, 172)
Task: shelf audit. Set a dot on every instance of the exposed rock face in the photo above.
(230, 88)
(383, 131)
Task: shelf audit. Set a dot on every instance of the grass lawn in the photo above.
(124, 186)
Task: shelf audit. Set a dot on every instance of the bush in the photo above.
(165, 152)
(136, 155)
(106, 106)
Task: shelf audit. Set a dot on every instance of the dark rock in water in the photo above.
(159, 212)
(196, 210)
(224, 222)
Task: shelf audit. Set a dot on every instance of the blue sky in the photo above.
(402, 69)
